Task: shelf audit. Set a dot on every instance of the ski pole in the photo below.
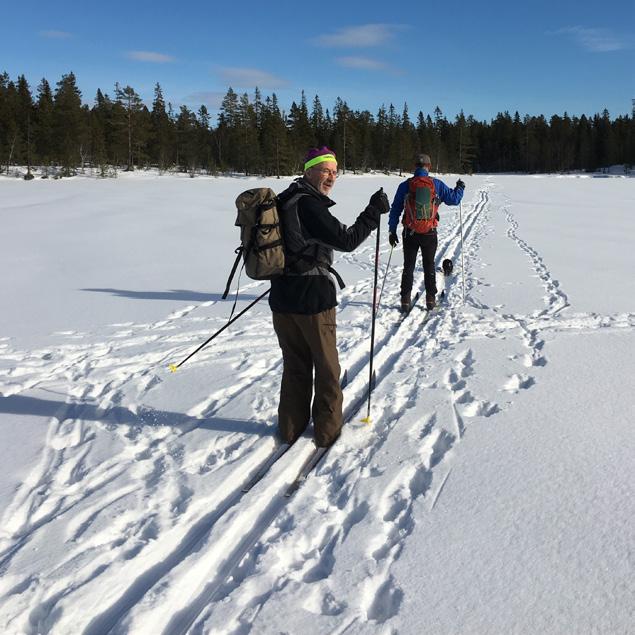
(462, 259)
(174, 367)
(372, 330)
(385, 275)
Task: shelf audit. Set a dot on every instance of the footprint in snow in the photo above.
(386, 601)
(518, 382)
(479, 408)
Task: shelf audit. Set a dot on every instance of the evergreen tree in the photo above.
(97, 128)
(604, 140)
(622, 135)
(4, 117)
(25, 116)
(394, 138)
(363, 146)
(516, 144)
(439, 154)
(160, 135)
(187, 141)
(273, 139)
(466, 143)
(541, 131)
(249, 145)
(133, 123)
(318, 126)
(407, 138)
(105, 132)
(204, 140)
(425, 134)
(342, 139)
(583, 144)
(43, 124)
(227, 133)
(68, 123)
(300, 130)
(381, 140)
(258, 106)
(9, 131)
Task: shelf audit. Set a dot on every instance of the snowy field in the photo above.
(492, 492)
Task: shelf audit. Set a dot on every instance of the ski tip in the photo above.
(173, 368)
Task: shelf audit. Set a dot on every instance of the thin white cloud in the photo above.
(368, 64)
(362, 36)
(56, 35)
(211, 99)
(149, 56)
(364, 63)
(593, 39)
(249, 78)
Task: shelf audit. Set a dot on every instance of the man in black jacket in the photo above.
(303, 300)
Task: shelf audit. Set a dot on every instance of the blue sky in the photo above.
(534, 57)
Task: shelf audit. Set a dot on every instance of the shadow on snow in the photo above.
(184, 295)
(118, 415)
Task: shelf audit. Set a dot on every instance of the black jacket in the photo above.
(308, 287)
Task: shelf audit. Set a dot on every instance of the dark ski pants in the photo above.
(308, 342)
(412, 244)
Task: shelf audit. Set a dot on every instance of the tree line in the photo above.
(55, 130)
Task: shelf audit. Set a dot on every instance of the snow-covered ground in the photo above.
(492, 492)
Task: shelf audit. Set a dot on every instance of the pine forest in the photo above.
(54, 130)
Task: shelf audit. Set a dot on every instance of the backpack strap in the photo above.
(323, 265)
(261, 208)
(239, 252)
(405, 201)
(337, 276)
(296, 257)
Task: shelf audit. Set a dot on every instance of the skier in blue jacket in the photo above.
(420, 222)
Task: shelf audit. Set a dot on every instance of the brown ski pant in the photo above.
(308, 342)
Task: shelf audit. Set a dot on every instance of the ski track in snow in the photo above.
(139, 551)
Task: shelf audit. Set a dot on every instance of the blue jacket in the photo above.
(443, 192)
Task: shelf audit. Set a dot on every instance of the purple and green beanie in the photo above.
(318, 155)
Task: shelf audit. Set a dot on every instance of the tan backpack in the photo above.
(261, 245)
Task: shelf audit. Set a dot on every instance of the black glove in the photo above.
(379, 200)
(460, 185)
(392, 239)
